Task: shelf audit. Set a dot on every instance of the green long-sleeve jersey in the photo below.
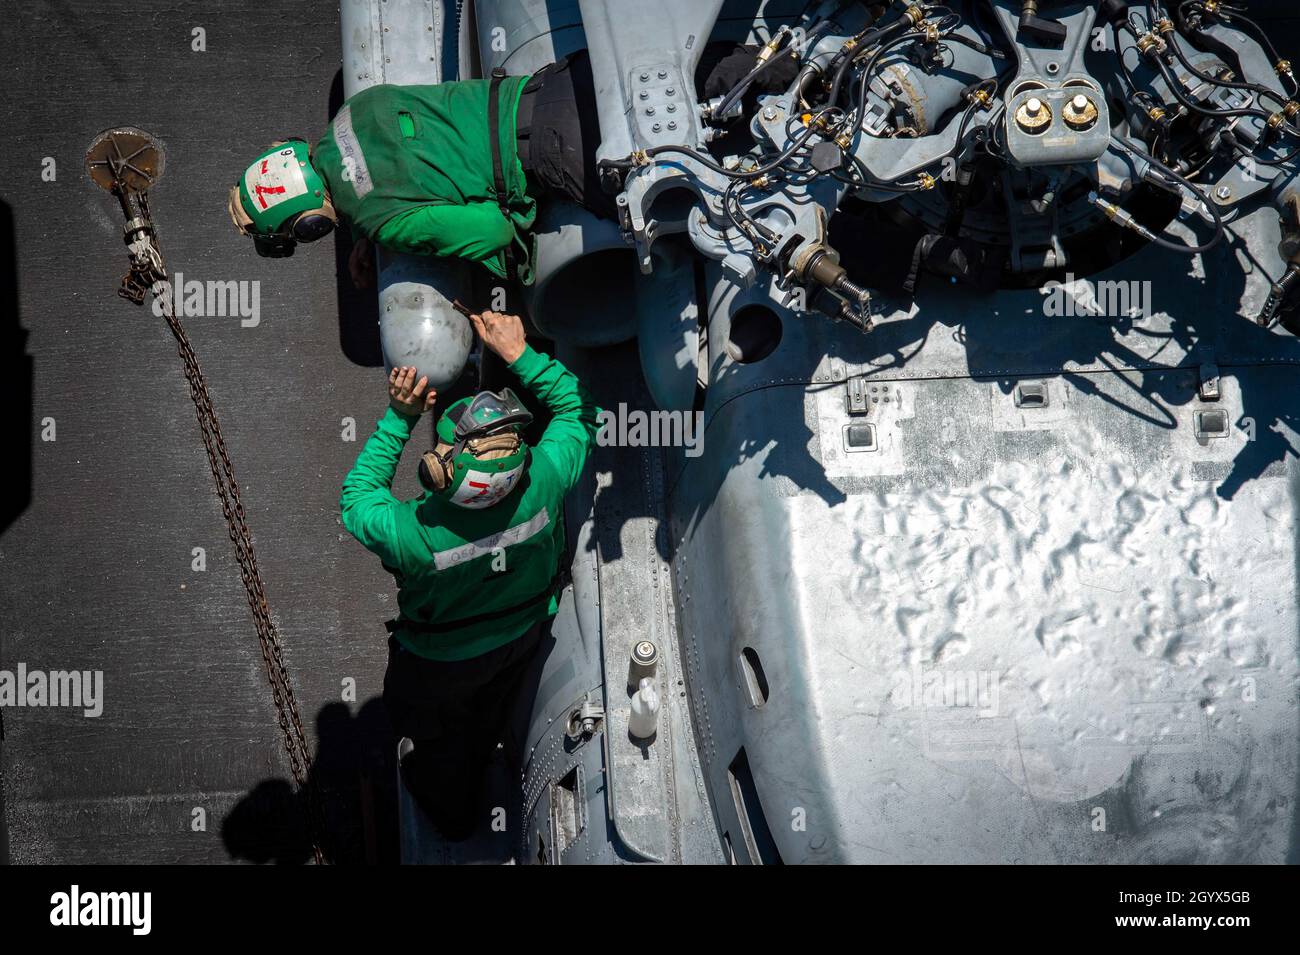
(411, 168)
(452, 563)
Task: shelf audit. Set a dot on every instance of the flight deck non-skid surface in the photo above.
(185, 763)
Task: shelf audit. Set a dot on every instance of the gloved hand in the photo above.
(735, 66)
(408, 396)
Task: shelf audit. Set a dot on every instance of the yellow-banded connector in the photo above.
(1164, 25)
(1109, 208)
(1276, 121)
(640, 157)
(981, 97)
(762, 182)
(1283, 67)
(844, 141)
(926, 181)
(931, 32)
(769, 48)
(1211, 6)
(1291, 109)
(1157, 113)
(915, 14)
(1148, 42)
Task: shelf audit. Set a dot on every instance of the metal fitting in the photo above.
(769, 48)
(1148, 42)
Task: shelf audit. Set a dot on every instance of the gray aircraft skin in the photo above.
(1011, 577)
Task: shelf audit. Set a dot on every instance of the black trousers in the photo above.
(559, 131)
(455, 712)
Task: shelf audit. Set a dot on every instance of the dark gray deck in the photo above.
(96, 560)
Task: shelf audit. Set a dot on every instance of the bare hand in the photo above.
(504, 334)
(407, 395)
(361, 263)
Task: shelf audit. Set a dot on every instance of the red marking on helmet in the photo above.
(271, 190)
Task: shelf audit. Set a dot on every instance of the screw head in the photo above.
(1223, 192)
(1080, 102)
(1033, 106)
(656, 127)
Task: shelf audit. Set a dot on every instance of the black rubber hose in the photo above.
(1174, 87)
(1219, 229)
(866, 41)
(1153, 10)
(859, 112)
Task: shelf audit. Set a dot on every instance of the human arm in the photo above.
(367, 505)
(571, 434)
(476, 231)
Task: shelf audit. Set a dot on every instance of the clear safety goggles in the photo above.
(491, 412)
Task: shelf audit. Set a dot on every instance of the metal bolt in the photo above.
(644, 77)
(672, 125)
(649, 110)
(1223, 192)
(663, 74)
(655, 128)
(645, 95)
(672, 108)
(1080, 103)
(670, 91)
(769, 113)
(1034, 106)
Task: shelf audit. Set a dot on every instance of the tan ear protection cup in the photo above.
(434, 474)
(238, 216)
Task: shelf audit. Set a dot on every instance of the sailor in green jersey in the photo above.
(452, 169)
(476, 558)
